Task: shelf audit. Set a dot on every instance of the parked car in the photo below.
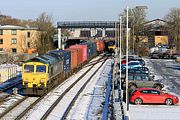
(137, 70)
(141, 61)
(141, 80)
(123, 61)
(151, 95)
(130, 57)
(131, 64)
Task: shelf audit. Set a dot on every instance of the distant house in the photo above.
(158, 34)
(18, 39)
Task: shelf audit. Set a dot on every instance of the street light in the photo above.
(127, 101)
(142, 7)
(120, 52)
(127, 32)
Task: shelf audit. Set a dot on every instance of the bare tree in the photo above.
(45, 40)
(139, 31)
(173, 26)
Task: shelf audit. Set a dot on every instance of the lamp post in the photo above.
(116, 38)
(127, 32)
(127, 94)
(120, 52)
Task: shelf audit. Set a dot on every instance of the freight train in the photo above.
(42, 73)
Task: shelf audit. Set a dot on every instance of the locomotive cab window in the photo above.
(29, 68)
(41, 68)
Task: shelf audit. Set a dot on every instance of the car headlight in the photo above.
(176, 97)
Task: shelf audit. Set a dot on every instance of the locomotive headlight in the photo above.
(42, 81)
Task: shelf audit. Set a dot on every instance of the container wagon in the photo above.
(42, 73)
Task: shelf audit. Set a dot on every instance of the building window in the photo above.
(28, 44)
(14, 50)
(14, 32)
(28, 34)
(1, 41)
(1, 32)
(1, 49)
(13, 40)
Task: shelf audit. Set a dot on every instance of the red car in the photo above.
(152, 95)
(123, 61)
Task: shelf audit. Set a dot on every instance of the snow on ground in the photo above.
(160, 112)
(154, 112)
(58, 111)
(9, 101)
(13, 114)
(89, 103)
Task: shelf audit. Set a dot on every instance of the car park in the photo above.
(151, 95)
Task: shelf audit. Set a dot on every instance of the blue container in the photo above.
(94, 48)
(90, 50)
(65, 56)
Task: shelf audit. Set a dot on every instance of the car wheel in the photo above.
(138, 101)
(169, 101)
(132, 87)
(158, 87)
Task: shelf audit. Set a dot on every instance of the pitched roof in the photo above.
(9, 27)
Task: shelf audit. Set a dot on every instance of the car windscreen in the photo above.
(28, 68)
(134, 63)
(41, 68)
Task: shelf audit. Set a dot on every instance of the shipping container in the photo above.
(84, 51)
(66, 56)
(74, 57)
(89, 49)
(79, 54)
(94, 49)
(8, 71)
(100, 46)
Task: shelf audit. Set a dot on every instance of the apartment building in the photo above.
(18, 39)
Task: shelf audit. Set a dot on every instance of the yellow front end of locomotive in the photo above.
(34, 74)
(112, 47)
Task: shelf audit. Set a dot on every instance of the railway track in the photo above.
(73, 100)
(36, 100)
(12, 83)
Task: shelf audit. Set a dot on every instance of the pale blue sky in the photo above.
(75, 10)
